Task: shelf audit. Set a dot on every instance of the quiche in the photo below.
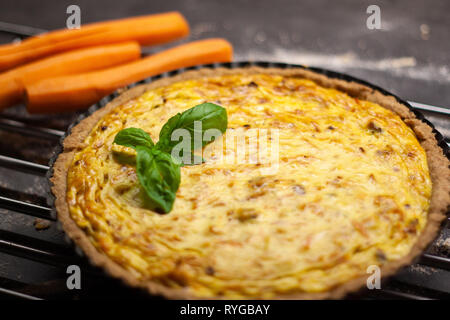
(357, 180)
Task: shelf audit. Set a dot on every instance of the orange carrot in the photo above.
(80, 91)
(147, 30)
(12, 83)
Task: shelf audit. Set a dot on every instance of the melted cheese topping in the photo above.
(352, 189)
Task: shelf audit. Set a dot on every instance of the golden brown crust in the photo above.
(437, 162)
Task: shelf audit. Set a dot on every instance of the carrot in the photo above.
(12, 83)
(147, 30)
(80, 91)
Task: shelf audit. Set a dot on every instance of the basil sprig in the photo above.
(158, 172)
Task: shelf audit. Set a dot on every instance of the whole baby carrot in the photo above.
(80, 91)
(147, 30)
(12, 83)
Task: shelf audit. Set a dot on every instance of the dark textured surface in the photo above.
(333, 34)
(400, 58)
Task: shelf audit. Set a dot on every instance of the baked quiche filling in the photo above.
(351, 189)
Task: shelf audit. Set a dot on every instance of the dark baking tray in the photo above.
(231, 65)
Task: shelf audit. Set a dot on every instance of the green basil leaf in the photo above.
(211, 116)
(133, 137)
(159, 176)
